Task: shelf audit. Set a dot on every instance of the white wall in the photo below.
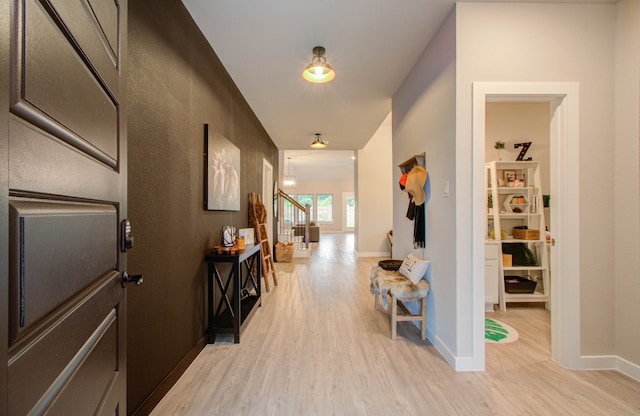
(424, 121)
(626, 184)
(557, 43)
(518, 122)
(374, 182)
(503, 42)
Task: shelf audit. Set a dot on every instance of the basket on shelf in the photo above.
(284, 252)
(525, 234)
(519, 284)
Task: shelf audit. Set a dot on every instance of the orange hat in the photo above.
(403, 181)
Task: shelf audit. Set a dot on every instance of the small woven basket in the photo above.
(526, 234)
(284, 252)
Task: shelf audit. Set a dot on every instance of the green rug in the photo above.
(497, 332)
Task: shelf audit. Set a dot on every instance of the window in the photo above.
(325, 207)
(305, 199)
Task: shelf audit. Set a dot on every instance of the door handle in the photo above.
(136, 279)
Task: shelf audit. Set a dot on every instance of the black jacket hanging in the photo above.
(419, 237)
(411, 210)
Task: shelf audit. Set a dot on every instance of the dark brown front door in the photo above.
(64, 198)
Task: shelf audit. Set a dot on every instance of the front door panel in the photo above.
(67, 196)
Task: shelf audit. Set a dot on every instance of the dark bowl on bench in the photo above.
(392, 265)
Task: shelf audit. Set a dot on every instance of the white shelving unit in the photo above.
(516, 194)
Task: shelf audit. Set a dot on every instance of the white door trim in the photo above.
(267, 196)
(565, 208)
(345, 227)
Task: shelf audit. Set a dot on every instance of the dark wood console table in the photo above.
(242, 284)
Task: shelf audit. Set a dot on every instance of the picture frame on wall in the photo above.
(221, 172)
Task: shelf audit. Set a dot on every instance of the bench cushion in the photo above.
(385, 282)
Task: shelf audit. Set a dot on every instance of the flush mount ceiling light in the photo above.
(318, 71)
(318, 143)
(289, 180)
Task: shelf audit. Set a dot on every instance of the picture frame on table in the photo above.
(509, 176)
(248, 234)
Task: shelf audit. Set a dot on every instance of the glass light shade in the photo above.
(318, 144)
(289, 182)
(319, 73)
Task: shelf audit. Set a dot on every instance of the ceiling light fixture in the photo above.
(289, 180)
(318, 71)
(318, 143)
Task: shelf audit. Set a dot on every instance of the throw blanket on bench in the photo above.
(384, 282)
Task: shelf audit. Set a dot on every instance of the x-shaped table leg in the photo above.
(223, 292)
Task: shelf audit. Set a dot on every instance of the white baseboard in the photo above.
(597, 362)
(590, 362)
(458, 364)
(468, 364)
(587, 362)
(628, 368)
(442, 348)
(610, 362)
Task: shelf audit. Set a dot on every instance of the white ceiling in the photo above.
(320, 166)
(371, 44)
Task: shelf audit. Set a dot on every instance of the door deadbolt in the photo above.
(135, 279)
(126, 238)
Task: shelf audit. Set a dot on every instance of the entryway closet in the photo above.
(562, 99)
(517, 275)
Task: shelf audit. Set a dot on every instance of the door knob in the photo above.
(136, 279)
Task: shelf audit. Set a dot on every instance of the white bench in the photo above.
(391, 283)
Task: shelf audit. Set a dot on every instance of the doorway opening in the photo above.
(268, 193)
(517, 287)
(323, 179)
(349, 211)
(563, 187)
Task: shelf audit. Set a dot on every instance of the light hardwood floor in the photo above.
(317, 346)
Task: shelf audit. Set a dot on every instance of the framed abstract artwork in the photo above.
(221, 173)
